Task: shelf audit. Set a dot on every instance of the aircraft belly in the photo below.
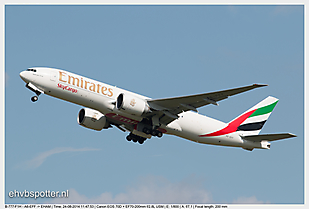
(226, 140)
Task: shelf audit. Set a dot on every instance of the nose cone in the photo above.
(23, 76)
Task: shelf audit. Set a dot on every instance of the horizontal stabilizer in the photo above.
(268, 137)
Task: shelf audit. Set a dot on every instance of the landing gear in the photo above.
(146, 130)
(159, 134)
(129, 138)
(36, 90)
(141, 140)
(153, 132)
(34, 98)
(135, 138)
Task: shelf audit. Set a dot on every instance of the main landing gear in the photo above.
(141, 140)
(135, 138)
(153, 132)
(145, 128)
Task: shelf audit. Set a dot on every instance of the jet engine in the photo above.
(132, 105)
(92, 119)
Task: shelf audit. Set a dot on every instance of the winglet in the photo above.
(259, 85)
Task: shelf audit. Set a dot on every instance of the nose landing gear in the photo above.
(36, 90)
(34, 98)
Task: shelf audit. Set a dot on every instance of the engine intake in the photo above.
(132, 105)
(92, 119)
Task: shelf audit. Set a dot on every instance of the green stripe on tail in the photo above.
(264, 110)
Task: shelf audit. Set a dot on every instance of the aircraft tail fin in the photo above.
(252, 121)
(249, 124)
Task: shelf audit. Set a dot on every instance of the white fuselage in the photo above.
(101, 97)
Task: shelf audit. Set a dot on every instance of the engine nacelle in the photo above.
(92, 119)
(132, 105)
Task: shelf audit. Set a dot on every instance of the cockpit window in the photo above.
(30, 69)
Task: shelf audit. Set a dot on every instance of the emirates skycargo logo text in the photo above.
(85, 83)
(67, 88)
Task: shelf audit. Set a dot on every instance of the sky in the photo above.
(156, 51)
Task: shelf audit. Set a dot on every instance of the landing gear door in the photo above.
(53, 75)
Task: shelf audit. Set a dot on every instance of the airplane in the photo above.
(106, 106)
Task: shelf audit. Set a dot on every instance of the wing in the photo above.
(167, 109)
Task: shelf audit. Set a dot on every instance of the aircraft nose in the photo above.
(23, 76)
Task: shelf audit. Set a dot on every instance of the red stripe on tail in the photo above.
(232, 126)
